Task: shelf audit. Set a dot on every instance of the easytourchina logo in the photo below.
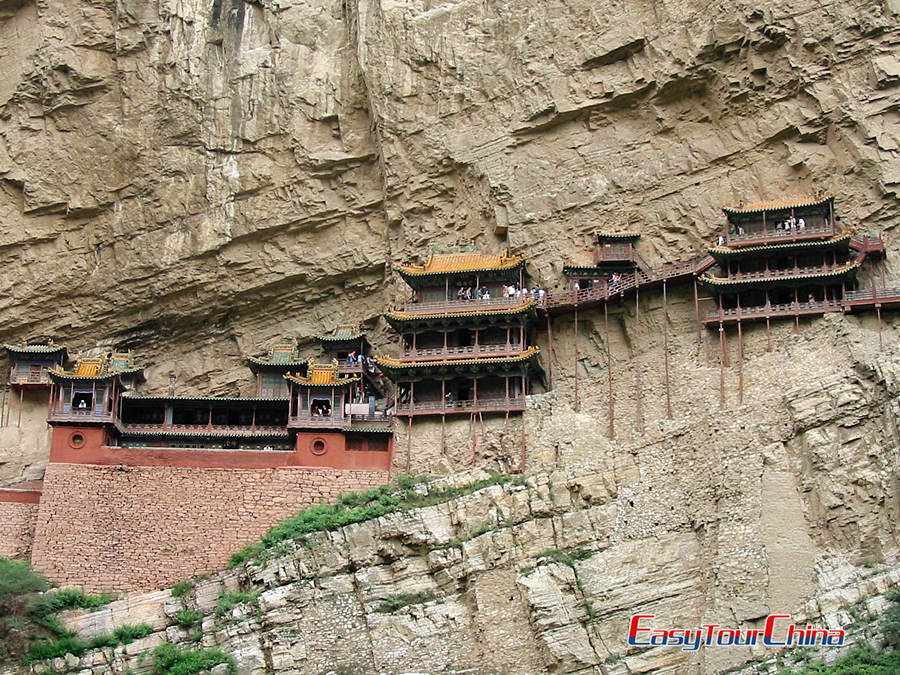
(778, 631)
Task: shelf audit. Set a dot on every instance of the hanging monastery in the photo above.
(465, 350)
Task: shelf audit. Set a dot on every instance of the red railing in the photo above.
(788, 309)
(614, 253)
(779, 236)
(15, 377)
(203, 429)
(431, 354)
(449, 407)
(439, 306)
(785, 272)
(67, 413)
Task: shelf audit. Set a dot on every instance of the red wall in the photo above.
(93, 450)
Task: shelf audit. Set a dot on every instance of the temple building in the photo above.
(348, 345)
(460, 355)
(613, 253)
(30, 366)
(271, 369)
(786, 258)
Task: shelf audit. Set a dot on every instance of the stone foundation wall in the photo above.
(144, 527)
(16, 528)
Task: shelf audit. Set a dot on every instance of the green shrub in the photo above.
(186, 618)
(394, 602)
(229, 600)
(182, 588)
(17, 579)
(170, 659)
(67, 598)
(127, 633)
(566, 557)
(860, 660)
(72, 644)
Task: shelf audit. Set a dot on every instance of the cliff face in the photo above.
(195, 179)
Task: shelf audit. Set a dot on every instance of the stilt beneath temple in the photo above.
(22, 393)
(638, 397)
(722, 365)
(443, 435)
(666, 350)
(880, 341)
(740, 363)
(612, 432)
(473, 432)
(409, 444)
(576, 358)
(697, 312)
(768, 335)
(549, 352)
(522, 459)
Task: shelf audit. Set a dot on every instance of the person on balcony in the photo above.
(721, 240)
(485, 294)
(801, 224)
(82, 404)
(461, 293)
(478, 294)
(450, 398)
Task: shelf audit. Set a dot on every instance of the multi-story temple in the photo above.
(463, 345)
(30, 366)
(787, 258)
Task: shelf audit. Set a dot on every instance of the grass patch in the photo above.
(182, 588)
(229, 600)
(71, 644)
(565, 557)
(170, 659)
(863, 659)
(404, 493)
(394, 602)
(187, 618)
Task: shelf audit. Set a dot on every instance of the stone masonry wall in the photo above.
(137, 528)
(16, 528)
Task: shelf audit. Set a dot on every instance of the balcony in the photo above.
(614, 253)
(454, 306)
(467, 352)
(767, 235)
(511, 404)
(34, 378)
(813, 308)
(68, 414)
(201, 429)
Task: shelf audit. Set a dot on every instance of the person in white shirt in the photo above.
(801, 224)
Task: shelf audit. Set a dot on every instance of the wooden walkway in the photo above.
(642, 277)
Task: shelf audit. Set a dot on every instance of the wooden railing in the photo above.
(438, 306)
(789, 309)
(203, 429)
(614, 253)
(874, 294)
(604, 290)
(472, 405)
(462, 352)
(369, 420)
(68, 413)
(792, 234)
(319, 421)
(15, 377)
(784, 272)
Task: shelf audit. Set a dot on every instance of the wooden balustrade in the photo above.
(15, 377)
(468, 351)
(204, 429)
(438, 306)
(513, 403)
(771, 235)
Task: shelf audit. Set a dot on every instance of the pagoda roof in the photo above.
(461, 263)
(112, 364)
(204, 434)
(281, 356)
(779, 205)
(393, 366)
(729, 251)
(322, 375)
(618, 235)
(401, 316)
(341, 334)
(36, 350)
(723, 282)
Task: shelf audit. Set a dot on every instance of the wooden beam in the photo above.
(639, 412)
(549, 349)
(740, 363)
(612, 430)
(666, 351)
(721, 365)
(576, 358)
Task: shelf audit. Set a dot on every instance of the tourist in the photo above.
(740, 230)
(478, 294)
(505, 291)
(351, 357)
(461, 293)
(82, 404)
(512, 291)
(518, 291)
(486, 295)
(449, 398)
(801, 224)
(721, 240)
(541, 294)
(576, 287)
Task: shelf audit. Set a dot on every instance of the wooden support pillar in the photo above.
(768, 335)
(666, 351)
(639, 413)
(522, 458)
(576, 359)
(21, 397)
(612, 431)
(443, 400)
(796, 309)
(697, 311)
(409, 439)
(878, 311)
(722, 365)
(740, 363)
(549, 351)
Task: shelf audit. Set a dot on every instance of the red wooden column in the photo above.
(549, 350)
(576, 358)
(612, 431)
(639, 412)
(724, 352)
(666, 350)
(740, 363)
(697, 311)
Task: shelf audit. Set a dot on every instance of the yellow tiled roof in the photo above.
(88, 367)
(392, 362)
(467, 311)
(786, 203)
(462, 262)
(322, 375)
